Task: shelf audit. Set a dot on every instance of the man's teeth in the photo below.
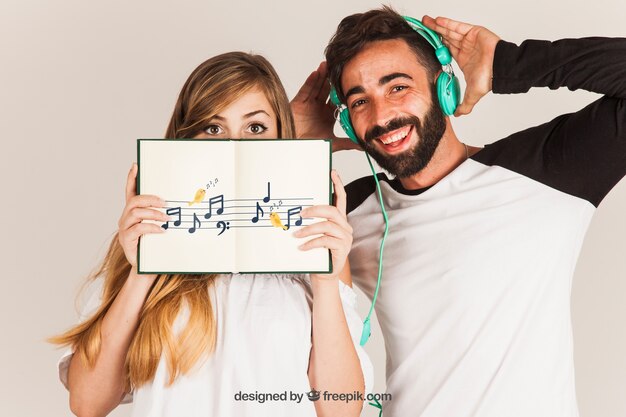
(395, 137)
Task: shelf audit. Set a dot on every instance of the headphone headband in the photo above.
(433, 38)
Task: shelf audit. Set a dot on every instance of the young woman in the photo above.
(219, 345)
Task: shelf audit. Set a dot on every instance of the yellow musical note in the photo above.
(275, 220)
(199, 196)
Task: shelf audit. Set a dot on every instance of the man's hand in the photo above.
(473, 48)
(314, 113)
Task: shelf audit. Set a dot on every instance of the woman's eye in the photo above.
(213, 130)
(257, 128)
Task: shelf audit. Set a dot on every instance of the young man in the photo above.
(474, 303)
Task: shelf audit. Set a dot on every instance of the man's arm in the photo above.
(582, 153)
(488, 63)
(592, 64)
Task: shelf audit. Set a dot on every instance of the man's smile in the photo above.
(397, 140)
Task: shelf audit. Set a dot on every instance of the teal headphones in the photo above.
(448, 93)
(448, 90)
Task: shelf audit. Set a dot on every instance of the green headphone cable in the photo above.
(367, 329)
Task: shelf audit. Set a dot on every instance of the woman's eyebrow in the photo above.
(252, 113)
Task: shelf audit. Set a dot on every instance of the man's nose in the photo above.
(382, 113)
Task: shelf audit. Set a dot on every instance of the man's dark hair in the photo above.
(356, 30)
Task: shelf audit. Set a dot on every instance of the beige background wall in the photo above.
(82, 80)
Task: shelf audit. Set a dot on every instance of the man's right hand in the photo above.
(314, 113)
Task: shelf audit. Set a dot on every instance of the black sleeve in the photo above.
(592, 64)
(582, 153)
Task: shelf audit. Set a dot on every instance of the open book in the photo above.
(233, 204)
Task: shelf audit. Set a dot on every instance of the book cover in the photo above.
(233, 204)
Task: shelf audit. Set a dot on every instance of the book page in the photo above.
(197, 180)
(275, 180)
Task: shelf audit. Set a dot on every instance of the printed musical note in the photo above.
(213, 200)
(198, 197)
(293, 212)
(258, 209)
(217, 205)
(267, 198)
(169, 212)
(223, 225)
(196, 220)
(212, 183)
(276, 206)
(275, 220)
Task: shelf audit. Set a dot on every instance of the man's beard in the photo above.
(414, 159)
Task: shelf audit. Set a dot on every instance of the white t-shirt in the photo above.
(263, 347)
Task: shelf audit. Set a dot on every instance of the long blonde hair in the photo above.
(210, 88)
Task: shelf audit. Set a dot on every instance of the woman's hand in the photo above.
(473, 48)
(336, 232)
(136, 210)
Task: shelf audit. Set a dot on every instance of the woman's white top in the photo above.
(263, 348)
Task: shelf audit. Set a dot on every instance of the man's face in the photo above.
(390, 99)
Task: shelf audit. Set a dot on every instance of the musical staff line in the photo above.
(232, 227)
(229, 207)
(213, 207)
(231, 220)
(242, 199)
(233, 213)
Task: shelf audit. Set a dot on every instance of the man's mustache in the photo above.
(393, 124)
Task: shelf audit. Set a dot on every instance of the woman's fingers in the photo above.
(137, 209)
(336, 232)
(142, 201)
(336, 224)
(328, 228)
(331, 213)
(340, 192)
(327, 242)
(133, 234)
(137, 214)
(131, 185)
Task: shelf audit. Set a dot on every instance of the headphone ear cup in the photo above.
(344, 116)
(448, 93)
(346, 125)
(334, 98)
